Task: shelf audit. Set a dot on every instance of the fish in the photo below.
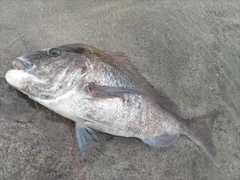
(104, 93)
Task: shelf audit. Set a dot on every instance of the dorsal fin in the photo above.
(163, 100)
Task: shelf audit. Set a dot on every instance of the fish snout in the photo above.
(21, 64)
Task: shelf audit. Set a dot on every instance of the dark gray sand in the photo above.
(189, 49)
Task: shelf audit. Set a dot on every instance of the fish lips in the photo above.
(20, 75)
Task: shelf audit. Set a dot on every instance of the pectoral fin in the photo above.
(163, 141)
(84, 136)
(96, 91)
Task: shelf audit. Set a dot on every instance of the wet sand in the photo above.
(188, 49)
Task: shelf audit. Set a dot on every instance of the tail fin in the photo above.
(199, 132)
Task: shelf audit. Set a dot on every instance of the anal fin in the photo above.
(162, 141)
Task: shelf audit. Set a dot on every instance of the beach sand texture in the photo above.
(188, 49)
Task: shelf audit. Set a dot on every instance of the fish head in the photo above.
(48, 73)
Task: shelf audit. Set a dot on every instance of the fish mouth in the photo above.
(21, 64)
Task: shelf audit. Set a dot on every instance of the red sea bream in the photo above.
(102, 91)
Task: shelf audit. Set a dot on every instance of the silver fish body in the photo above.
(102, 91)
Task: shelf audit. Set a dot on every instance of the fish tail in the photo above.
(200, 131)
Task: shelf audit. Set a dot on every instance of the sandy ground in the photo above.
(179, 46)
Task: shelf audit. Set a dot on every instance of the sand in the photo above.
(189, 49)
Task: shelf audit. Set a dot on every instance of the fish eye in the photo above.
(54, 52)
